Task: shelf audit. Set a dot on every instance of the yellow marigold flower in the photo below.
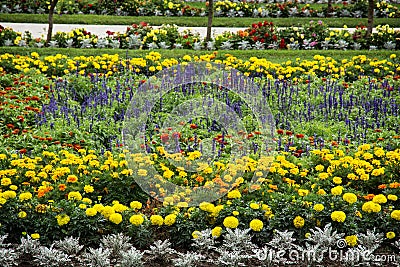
(72, 179)
(371, 206)
(156, 220)
(107, 211)
(136, 219)
(234, 194)
(254, 206)
(74, 195)
(13, 187)
(62, 219)
(118, 207)
(25, 196)
(256, 225)
(206, 206)
(196, 234)
(319, 207)
(135, 205)
(35, 236)
(87, 200)
(22, 214)
(298, 222)
(303, 192)
(319, 168)
(8, 194)
(392, 197)
(88, 189)
(380, 199)
(5, 181)
(82, 206)
(350, 198)
(321, 192)
(377, 172)
(337, 180)
(98, 207)
(338, 216)
(91, 212)
(323, 175)
(352, 176)
(307, 235)
(216, 231)
(395, 215)
(115, 218)
(170, 219)
(337, 190)
(351, 240)
(390, 235)
(235, 213)
(231, 222)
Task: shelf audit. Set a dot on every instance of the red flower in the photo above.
(193, 126)
(176, 135)
(280, 131)
(289, 133)
(164, 137)
(300, 136)
(282, 44)
(20, 118)
(22, 151)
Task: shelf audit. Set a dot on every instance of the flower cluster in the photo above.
(262, 35)
(225, 8)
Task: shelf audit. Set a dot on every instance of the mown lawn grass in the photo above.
(276, 56)
(185, 21)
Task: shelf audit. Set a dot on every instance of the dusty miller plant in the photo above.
(116, 243)
(51, 257)
(8, 256)
(233, 258)
(236, 248)
(97, 257)
(205, 241)
(326, 237)
(371, 240)
(28, 248)
(131, 258)
(190, 259)
(69, 245)
(239, 240)
(161, 251)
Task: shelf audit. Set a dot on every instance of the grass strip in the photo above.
(186, 21)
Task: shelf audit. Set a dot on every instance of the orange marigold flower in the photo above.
(62, 187)
(369, 197)
(382, 186)
(394, 185)
(199, 179)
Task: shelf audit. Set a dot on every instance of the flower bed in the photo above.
(262, 35)
(65, 170)
(224, 8)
